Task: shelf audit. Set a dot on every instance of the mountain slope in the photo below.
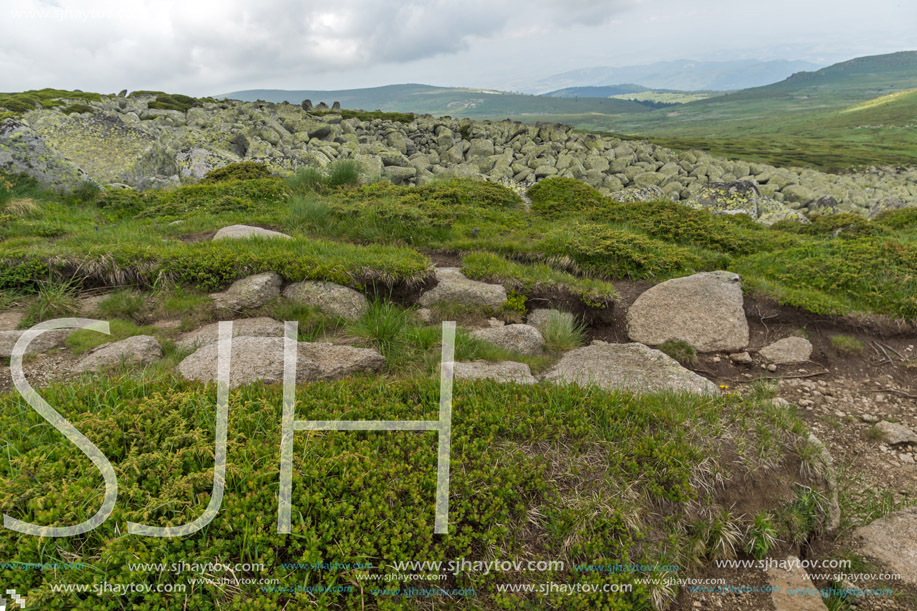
(686, 75)
(453, 101)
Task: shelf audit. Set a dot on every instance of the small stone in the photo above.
(251, 292)
(234, 232)
(741, 358)
(503, 371)
(787, 350)
(772, 368)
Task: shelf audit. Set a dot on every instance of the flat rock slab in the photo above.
(261, 358)
(894, 433)
(891, 541)
(138, 350)
(523, 339)
(704, 310)
(251, 292)
(48, 340)
(632, 367)
(502, 371)
(236, 232)
(792, 590)
(10, 320)
(249, 327)
(787, 350)
(454, 287)
(328, 297)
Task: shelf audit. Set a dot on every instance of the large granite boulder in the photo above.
(523, 339)
(261, 358)
(632, 367)
(251, 292)
(704, 310)
(890, 540)
(332, 299)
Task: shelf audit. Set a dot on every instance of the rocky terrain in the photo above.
(121, 140)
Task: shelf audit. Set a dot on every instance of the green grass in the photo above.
(360, 235)
(562, 332)
(125, 303)
(19, 103)
(847, 345)
(84, 340)
(53, 300)
(680, 350)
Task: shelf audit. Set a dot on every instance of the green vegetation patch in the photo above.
(171, 101)
(533, 475)
(839, 276)
(537, 277)
(19, 103)
(241, 170)
(557, 197)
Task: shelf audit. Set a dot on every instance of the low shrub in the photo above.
(558, 197)
(898, 220)
(241, 170)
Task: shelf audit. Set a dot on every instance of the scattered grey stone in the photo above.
(137, 350)
(523, 339)
(791, 349)
(891, 541)
(503, 371)
(633, 367)
(247, 327)
(455, 288)
(772, 368)
(251, 292)
(704, 310)
(234, 232)
(332, 299)
(894, 434)
(741, 358)
(47, 340)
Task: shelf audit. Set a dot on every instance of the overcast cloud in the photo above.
(208, 47)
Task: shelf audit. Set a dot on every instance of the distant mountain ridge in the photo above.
(682, 75)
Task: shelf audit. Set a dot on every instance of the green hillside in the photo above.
(452, 101)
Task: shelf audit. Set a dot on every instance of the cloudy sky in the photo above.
(205, 47)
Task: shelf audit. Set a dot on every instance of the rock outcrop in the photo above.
(332, 299)
(704, 310)
(145, 147)
(632, 367)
